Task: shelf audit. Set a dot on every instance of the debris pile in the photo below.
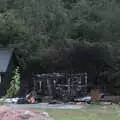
(12, 114)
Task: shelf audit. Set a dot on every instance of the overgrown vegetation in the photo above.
(14, 88)
(65, 35)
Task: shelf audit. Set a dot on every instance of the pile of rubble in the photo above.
(12, 114)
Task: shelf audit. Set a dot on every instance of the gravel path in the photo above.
(46, 106)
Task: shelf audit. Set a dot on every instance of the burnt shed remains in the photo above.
(61, 85)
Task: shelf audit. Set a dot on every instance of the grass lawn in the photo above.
(91, 112)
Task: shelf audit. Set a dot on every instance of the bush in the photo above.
(13, 91)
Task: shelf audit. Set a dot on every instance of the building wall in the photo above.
(6, 78)
(1, 84)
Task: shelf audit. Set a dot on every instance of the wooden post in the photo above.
(86, 79)
(54, 88)
(49, 87)
(40, 85)
(69, 86)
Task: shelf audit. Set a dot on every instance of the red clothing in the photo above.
(31, 100)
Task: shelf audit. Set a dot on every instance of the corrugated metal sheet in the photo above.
(5, 57)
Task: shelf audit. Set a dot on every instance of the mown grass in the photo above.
(91, 112)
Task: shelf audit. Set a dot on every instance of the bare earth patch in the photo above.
(16, 114)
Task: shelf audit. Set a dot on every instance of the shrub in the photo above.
(14, 88)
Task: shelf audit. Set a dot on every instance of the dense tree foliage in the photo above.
(64, 35)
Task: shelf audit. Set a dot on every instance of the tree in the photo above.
(60, 34)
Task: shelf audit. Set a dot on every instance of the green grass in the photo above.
(69, 115)
(92, 112)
